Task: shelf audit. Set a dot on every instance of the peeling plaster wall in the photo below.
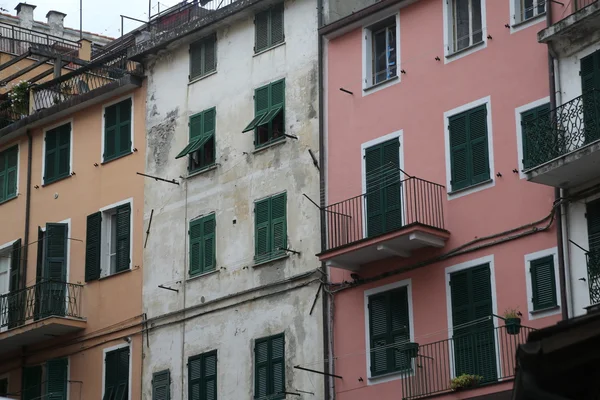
(241, 177)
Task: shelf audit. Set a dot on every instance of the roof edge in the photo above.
(332, 27)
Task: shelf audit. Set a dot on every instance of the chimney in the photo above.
(55, 22)
(25, 15)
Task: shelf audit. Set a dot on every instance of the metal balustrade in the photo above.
(17, 40)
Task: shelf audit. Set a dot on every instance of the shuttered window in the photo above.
(116, 374)
(269, 367)
(202, 377)
(269, 28)
(529, 132)
(93, 242)
(469, 158)
(269, 114)
(57, 155)
(161, 385)
(543, 283)
(54, 291)
(117, 130)
(32, 382)
(8, 173)
(202, 245)
(203, 57)
(590, 88)
(123, 236)
(389, 331)
(13, 302)
(270, 233)
(201, 146)
(56, 379)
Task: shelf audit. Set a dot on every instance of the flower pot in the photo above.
(513, 326)
(411, 349)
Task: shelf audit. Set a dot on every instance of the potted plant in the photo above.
(465, 381)
(512, 321)
(411, 349)
(19, 98)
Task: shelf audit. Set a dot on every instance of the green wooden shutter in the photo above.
(32, 382)
(196, 126)
(123, 237)
(262, 244)
(278, 229)
(16, 303)
(56, 379)
(110, 132)
(195, 247)
(117, 129)
(590, 84)
(593, 225)
(50, 169)
(8, 173)
(543, 283)
(399, 333)
(64, 151)
(15, 262)
(161, 385)
(261, 368)
(276, 25)
(459, 153)
(3, 172)
(93, 241)
(196, 60)
(261, 107)
(208, 124)
(392, 209)
(528, 123)
(277, 367)
(208, 243)
(125, 126)
(111, 367)
(261, 25)
(58, 153)
(374, 195)
(55, 270)
(3, 387)
(378, 327)
(122, 375)
(194, 378)
(210, 60)
(209, 376)
(269, 367)
(478, 145)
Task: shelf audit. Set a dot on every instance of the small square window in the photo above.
(527, 9)
(382, 46)
(269, 28)
(203, 57)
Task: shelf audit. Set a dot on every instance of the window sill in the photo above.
(270, 260)
(269, 145)
(199, 78)
(56, 180)
(457, 53)
(202, 275)
(9, 199)
(115, 274)
(373, 380)
(466, 189)
(116, 158)
(544, 310)
(269, 49)
(382, 83)
(528, 22)
(201, 171)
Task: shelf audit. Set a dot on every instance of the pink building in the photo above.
(432, 230)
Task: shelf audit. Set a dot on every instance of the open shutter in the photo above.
(122, 376)
(194, 378)
(527, 130)
(12, 157)
(123, 237)
(3, 171)
(161, 385)
(379, 323)
(196, 126)
(261, 368)
(195, 247)
(32, 383)
(461, 315)
(478, 143)
(209, 375)
(262, 246)
(208, 243)
(277, 33)
(50, 169)
(483, 336)
(400, 328)
(54, 290)
(392, 209)
(543, 283)
(261, 107)
(278, 223)
(39, 268)
(110, 132)
(459, 154)
(56, 379)
(15, 263)
(277, 367)
(63, 155)
(124, 143)
(261, 26)
(92, 246)
(590, 86)
(374, 196)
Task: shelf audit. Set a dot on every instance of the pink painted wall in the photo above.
(512, 70)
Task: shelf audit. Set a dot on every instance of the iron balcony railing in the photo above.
(45, 299)
(579, 4)
(593, 267)
(17, 40)
(488, 354)
(563, 130)
(389, 205)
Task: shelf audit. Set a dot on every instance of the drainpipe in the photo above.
(25, 247)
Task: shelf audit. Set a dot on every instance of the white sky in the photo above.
(99, 16)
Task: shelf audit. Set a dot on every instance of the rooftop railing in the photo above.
(17, 40)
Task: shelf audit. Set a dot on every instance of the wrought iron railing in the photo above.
(593, 268)
(45, 299)
(563, 130)
(17, 40)
(489, 354)
(387, 206)
(579, 4)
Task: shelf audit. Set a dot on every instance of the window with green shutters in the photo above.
(57, 379)
(543, 283)
(54, 273)
(469, 158)
(590, 88)
(32, 383)
(202, 245)
(202, 376)
(117, 130)
(161, 385)
(529, 132)
(57, 153)
(14, 309)
(201, 146)
(269, 28)
(269, 367)
(203, 57)
(269, 114)
(270, 227)
(389, 331)
(116, 374)
(8, 173)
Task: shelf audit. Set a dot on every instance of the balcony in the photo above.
(16, 40)
(563, 146)
(392, 219)
(489, 354)
(37, 313)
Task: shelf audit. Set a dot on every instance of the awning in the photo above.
(194, 145)
(263, 119)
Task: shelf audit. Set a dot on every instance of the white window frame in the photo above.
(113, 102)
(6, 248)
(106, 233)
(449, 52)
(370, 292)
(487, 101)
(367, 55)
(108, 350)
(528, 259)
(49, 128)
(519, 129)
(517, 11)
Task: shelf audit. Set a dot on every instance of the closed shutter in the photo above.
(123, 237)
(56, 379)
(543, 283)
(93, 240)
(3, 171)
(8, 173)
(262, 244)
(58, 153)
(54, 290)
(261, 368)
(3, 387)
(208, 125)
(374, 195)
(110, 132)
(50, 170)
(208, 243)
(261, 26)
(117, 129)
(196, 126)
(593, 225)
(399, 329)
(459, 154)
(196, 60)
(277, 368)
(269, 367)
(194, 378)
(277, 33)
(530, 120)
(125, 126)
(590, 86)
(278, 223)
(16, 303)
(195, 247)
(478, 145)
(161, 385)
(209, 375)
(32, 382)
(210, 59)
(392, 189)
(116, 382)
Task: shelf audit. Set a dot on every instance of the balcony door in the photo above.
(590, 88)
(52, 289)
(383, 188)
(474, 344)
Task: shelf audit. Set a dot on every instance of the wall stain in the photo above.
(160, 137)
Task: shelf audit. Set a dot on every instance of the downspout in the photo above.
(25, 247)
(184, 286)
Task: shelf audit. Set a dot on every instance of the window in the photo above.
(590, 84)
(543, 283)
(54, 383)
(201, 146)
(108, 241)
(8, 173)
(270, 236)
(527, 9)
(466, 24)
(32, 382)
(161, 385)
(5, 261)
(269, 28)
(269, 367)
(116, 374)
(202, 245)
(117, 130)
(389, 325)
(469, 158)
(202, 377)
(382, 49)
(203, 57)
(57, 153)
(528, 131)
(269, 115)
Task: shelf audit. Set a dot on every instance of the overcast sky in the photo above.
(99, 16)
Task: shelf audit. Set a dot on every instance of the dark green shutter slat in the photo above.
(543, 283)
(374, 195)
(3, 178)
(195, 247)
(110, 132)
(194, 378)
(93, 240)
(123, 237)
(208, 125)
(8, 173)
(590, 84)
(261, 368)
(15, 263)
(161, 385)
(459, 154)
(593, 225)
(50, 170)
(277, 93)
(391, 186)
(278, 223)
(117, 129)
(378, 325)
(528, 122)
(111, 366)
(269, 367)
(209, 376)
(58, 153)
(196, 126)
(121, 377)
(125, 126)
(261, 22)
(277, 364)
(55, 270)
(479, 145)
(210, 60)
(56, 379)
(32, 382)
(399, 333)
(208, 243)
(262, 228)
(270, 116)
(64, 151)
(195, 60)
(277, 33)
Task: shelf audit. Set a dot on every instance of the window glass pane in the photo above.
(541, 6)
(379, 56)
(4, 265)
(527, 9)
(476, 27)
(391, 32)
(461, 24)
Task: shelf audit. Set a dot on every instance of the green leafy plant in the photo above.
(465, 381)
(511, 313)
(19, 98)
